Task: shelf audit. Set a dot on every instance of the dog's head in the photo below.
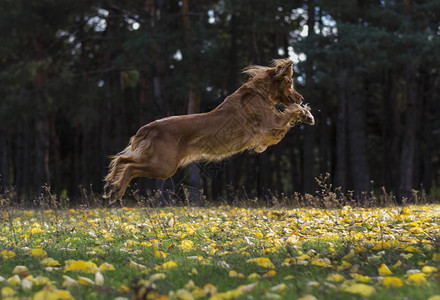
(282, 84)
(277, 81)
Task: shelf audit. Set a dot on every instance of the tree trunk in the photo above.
(357, 144)
(56, 149)
(193, 107)
(42, 175)
(19, 159)
(42, 171)
(341, 139)
(324, 143)
(309, 132)
(26, 162)
(409, 137)
(194, 177)
(428, 137)
(4, 169)
(390, 135)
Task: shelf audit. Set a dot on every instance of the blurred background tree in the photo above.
(78, 78)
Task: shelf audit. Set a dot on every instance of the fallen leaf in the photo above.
(99, 278)
(429, 269)
(38, 253)
(7, 291)
(186, 245)
(392, 282)
(384, 270)
(7, 254)
(335, 278)
(50, 262)
(69, 282)
(263, 262)
(417, 279)
(169, 265)
(14, 280)
(81, 266)
(85, 281)
(20, 270)
(360, 289)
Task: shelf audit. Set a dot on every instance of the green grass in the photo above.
(305, 246)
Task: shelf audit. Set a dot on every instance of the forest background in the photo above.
(78, 78)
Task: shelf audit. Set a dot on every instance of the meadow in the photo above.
(221, 252)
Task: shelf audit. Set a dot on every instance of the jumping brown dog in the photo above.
(245, 120)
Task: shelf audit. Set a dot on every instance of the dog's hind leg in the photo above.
(117, 167)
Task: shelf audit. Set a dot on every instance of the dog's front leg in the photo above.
(293, 113)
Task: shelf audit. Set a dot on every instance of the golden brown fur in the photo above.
(245, 120)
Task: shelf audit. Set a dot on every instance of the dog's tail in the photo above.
(135, 151)
(123, 157)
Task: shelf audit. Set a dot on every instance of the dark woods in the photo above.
(78, 78)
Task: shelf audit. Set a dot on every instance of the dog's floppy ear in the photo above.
(282, 68)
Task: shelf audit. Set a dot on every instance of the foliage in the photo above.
(220, 253)
(78, 78)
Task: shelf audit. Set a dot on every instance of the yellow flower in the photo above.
(392, 282)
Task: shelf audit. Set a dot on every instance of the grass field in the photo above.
(221, 253)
